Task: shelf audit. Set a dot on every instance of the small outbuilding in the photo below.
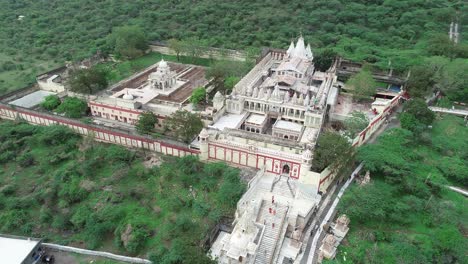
(20, 250)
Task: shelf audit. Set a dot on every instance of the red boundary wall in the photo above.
(99, 133)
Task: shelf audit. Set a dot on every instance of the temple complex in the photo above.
(273, 115)
(162, 88)
(271, 121)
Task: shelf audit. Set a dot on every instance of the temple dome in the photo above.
(162, 64)
(204, 133)
(218, 96)
(127, 96)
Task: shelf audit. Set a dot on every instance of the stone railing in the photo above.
(259, 150)
(261, 137)
(96, 253)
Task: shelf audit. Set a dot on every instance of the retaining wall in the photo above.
(99, 133)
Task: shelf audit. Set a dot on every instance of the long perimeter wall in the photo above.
(99, 133)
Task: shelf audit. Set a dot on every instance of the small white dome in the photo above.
(204, 133)
(128, 96)
(218, 95)
(162, 64)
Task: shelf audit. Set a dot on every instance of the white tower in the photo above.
(203, 136)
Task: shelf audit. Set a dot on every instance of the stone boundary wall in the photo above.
(243, 155)
(376, 123)
(208, 52)
(96, 253)
(99, 133)
(328, 175)
(19, 93)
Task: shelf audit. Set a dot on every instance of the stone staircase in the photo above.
(282, 187)
(271, 235)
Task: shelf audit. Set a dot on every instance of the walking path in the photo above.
(458, 190)
(459, 112)
(319, 234)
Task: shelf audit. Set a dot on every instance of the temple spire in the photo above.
(290, 49)
(300, 50)
(307, 100)
(255, 92)
(309, 52)
(276, 92)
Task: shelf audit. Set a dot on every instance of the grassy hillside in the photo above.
(406, 214)
(375, 31)
(69, 190)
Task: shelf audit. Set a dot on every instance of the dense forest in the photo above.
(406, 214)
(71, 190)
(36, 35)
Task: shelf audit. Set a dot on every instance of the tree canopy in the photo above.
(356, 123)
(72, 107)
(127, 41)
(51, 102)
(405, 211)
(184, 124)
(332, 149)
(416, 116)
(87, 81)
(362, 85)
(324, 59)
(146, 122)
(198, 95)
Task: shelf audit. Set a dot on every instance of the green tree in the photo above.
(73, 107)
(198, 95)
(362, 84)
(393, 145)
(146, 122)
(193, 47)
(230, 82)
(332, 149)
(356, 123)
(88, 81)
(128, 41)
(51, 102)
(226, 74)
(418, 108)
(421, 81)
(184, 124)
(441, 45)
(177, 46)
(324, 60)
(452, 79)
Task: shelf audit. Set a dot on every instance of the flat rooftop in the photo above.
(256, 119)
(287, 125)
(229, 121)
(31, 99)
(15, 250)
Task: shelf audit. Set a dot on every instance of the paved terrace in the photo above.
(459, 112)
(141, 77)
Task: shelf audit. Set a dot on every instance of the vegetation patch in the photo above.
(406, 214)
(74, 191)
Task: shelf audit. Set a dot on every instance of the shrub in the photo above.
(7, 156)
(51, 102)
(71, 192)
(25, 160)
(60, 222)
(146, 122)
(45, 215)
(73, 107)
